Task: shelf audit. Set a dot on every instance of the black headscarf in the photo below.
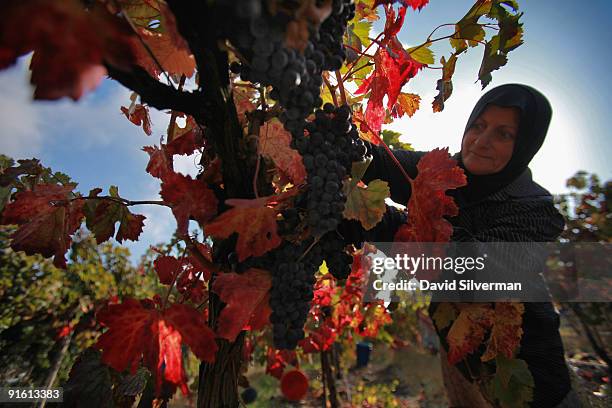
(535, 117)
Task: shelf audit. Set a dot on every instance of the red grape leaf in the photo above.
(277, 360)
(428, 203)
(173, 58)
(365, 132)
(160, 162)
(407, 104)
(415, 4)
(246, 298)
(468, 330)
(194, 330)
(44, 227)
(394, 67)
(274, 143)
(128, 328)
(136, 330)
(130, 226)
(70, 43)
(319, 339)
(29, 204)
(102, 215)
(275, 364)
(165, 341)
(393, 25)
(374, 317)
(255, 225)
(167, 267)
(188, 198)
(243, 97)
(139, 116)
(185, 139)
(506, 332)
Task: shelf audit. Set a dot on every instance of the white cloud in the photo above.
(20, 133)
(95, 121)
(187, 165)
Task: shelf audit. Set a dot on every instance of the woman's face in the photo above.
(488, 144)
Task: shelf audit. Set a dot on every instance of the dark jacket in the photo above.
(523, 211)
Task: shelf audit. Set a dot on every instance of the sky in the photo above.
(565, 56)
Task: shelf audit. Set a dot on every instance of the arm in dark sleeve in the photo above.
(534, 221)
(353, 232)
(384, 168)
(527, 224)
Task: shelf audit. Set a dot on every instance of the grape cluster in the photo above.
(328, 144)
(328, 39)
(338, 261)
(295, 77)
(291, 293)
(328, 150)
(293, 267)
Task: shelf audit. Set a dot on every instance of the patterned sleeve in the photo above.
(528, 221)
(531, 223)
(525, 220)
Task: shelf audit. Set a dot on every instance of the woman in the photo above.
(500, 203)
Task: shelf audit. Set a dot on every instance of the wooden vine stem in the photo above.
(330, 379)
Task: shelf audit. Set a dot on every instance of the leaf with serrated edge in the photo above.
(89, 383)
(468, 330)
(255, 225)
(246, 298)
(512, 384)
(274, 143)
(422, 54)
(366, 204)
(506, 332)
(444, 315)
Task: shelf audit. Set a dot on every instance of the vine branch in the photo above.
(120, 200)
(156, 94)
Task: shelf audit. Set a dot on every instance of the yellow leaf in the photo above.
(409, 103)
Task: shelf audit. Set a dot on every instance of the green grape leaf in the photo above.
(366, 203)
(489, 64)
(422, 54)
(89, 383)
(392, 139)
(512, 384)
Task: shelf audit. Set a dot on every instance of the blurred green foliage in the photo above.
(40, 303)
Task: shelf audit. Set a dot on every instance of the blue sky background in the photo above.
(565, 55)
